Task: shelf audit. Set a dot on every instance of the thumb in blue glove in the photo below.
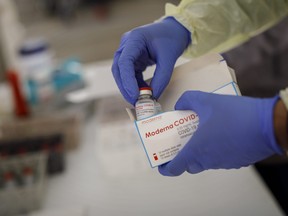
(233, 132)
(160, 43)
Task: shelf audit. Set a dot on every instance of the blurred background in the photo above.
(88, 29)
(48, 132)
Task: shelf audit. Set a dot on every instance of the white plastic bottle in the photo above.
(36, 66)
(145, 105)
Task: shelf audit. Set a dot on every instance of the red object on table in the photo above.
(21, 107)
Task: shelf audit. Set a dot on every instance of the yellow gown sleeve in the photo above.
(219, 25)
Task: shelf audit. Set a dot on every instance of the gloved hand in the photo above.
(233, 132)
(160, 43)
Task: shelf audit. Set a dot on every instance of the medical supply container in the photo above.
(145, 105)
(36, 66)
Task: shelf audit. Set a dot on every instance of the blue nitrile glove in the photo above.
(233, 132)
(160, 43)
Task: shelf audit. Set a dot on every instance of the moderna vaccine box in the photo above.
(165, 134)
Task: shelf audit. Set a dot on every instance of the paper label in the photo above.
(144, 108)
(164, 135)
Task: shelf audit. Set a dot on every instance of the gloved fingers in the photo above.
(179, 165)
(195, 168)
(124, 38)
(117, 78)
(172, 168)
(126, 64)
(140, 80)
(128, 79)
(162, 76)
(140, 66)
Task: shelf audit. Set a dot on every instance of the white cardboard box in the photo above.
(165, 134)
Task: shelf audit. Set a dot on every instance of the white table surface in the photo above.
(86, 185)
(98, 181)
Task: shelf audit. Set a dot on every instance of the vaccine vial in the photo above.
(158, 107)
(145, 105)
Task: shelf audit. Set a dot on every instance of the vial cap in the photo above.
(145, 90)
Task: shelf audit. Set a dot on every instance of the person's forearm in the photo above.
(219, 25)
(280, 125)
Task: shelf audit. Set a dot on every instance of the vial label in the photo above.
(144, 108)
(158, 108)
